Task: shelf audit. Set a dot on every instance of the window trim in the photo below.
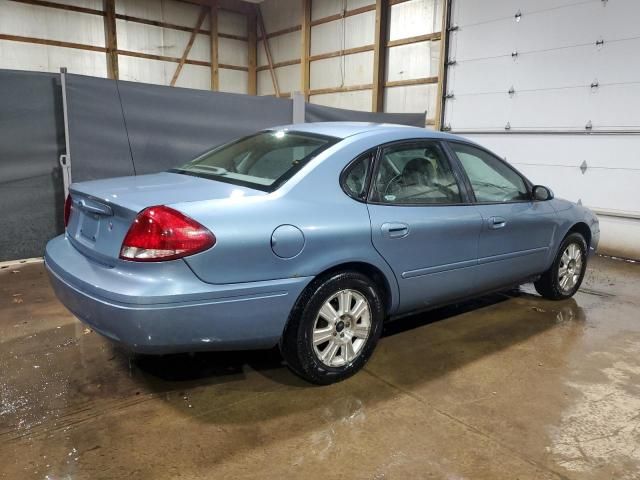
(367, 181)
(465, 198)
(527, 183)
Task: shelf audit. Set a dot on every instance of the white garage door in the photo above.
(554, 86)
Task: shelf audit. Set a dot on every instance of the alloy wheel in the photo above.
(341, 328)
(570, 267)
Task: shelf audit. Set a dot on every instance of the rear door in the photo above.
(516, 232)
(423, 224)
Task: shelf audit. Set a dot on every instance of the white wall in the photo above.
(280, 15)
(404, 62)
(553, 101)
(67, 26)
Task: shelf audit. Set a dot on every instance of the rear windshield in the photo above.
(263, 161)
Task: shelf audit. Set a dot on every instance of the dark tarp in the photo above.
(31, 142)
(116, 128)
(166, 126)
(320, 113)
(97, 134)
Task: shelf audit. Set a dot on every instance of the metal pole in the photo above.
(298, 107)
(65, 159)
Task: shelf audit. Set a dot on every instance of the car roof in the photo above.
(346, 129)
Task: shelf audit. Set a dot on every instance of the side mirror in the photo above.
(542, 193)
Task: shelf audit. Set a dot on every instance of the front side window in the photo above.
(263, 161)
(416, 173)
(492, 181)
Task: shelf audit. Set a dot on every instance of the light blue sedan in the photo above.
(309, 237)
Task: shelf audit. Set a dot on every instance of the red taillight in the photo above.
(67, 210)
(162, 233)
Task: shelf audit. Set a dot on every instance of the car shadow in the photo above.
(203, 368)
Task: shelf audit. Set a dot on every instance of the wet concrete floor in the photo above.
(507, 387)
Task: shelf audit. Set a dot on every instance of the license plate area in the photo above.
(89, 226)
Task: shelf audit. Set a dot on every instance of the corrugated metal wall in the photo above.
(553, 86)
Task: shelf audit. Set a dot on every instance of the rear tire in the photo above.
(564, 277)
(333, 328)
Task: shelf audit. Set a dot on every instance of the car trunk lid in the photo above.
(103, 210)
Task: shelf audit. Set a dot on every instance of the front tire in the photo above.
(565, 276)
(334, 328)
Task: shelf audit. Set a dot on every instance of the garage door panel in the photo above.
(490, 75)
(498, 38)
(592, 188)
(616, 107)
(569, 149)
(472, 12)
(562, 27)
(543, 70)
(613, 62)
(619, 19)
(564, 108)
(473, 112)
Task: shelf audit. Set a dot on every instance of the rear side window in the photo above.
(263, 161)
(354, 179)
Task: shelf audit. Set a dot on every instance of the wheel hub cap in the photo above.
(341, 328)
(570, 267)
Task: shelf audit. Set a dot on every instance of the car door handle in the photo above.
(395, 230)
(497, 222)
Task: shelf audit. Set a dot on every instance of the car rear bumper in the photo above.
(164, 308)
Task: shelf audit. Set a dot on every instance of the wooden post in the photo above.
(442, 70)
(265, 42)
(379, 56)
(110, 38)
(305, 63)
(252, 40)
(187, 49)
(215, 79)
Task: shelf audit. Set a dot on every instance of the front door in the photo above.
(423, 225)
(517, 231)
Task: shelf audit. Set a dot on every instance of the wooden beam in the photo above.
(203, 13)
(227, 66)
(252, 45)
(111, 38)
(306, 49)
(442, 70)
(51, 43)
(339, 53)
(215, 73)
(233, 37)
(412, 81)
(60, 6)
(162, 58)
(265, 43)
(339, 16)
(284, 31)
(348, 88)
(420, 38)
(238, 6)
(379, 56)
(286, 63)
